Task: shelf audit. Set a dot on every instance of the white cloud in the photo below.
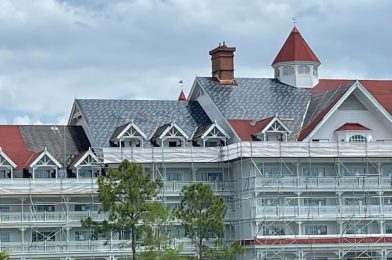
(26, 120)
(53, 51)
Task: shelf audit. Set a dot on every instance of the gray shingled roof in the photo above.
(63, 142)
(259, 98)
(103, 116)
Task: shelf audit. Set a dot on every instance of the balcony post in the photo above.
(23, 238)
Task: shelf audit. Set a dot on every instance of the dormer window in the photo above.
(275, 130)
(87, 165)
(303, 70)
(128, 135)
(211, 135)
(357, 138)
(6, 166)
(45, 166)
(354, 132)
(170, 135)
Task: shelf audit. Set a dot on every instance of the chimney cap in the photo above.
(222, 47)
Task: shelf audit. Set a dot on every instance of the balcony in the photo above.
(175, 187)
(327, 212)
(328, 184)
(19, 186)
(26, 218)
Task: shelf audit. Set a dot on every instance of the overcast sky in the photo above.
(52, 51)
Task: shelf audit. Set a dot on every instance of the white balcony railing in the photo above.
(324, 183)
(218, 186)
(325, 212)
(94, 246)
(49, 217)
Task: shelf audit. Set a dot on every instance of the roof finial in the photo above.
(294, 21)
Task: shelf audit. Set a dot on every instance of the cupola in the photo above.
(296, 64)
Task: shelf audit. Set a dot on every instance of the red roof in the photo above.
(381, 90)
(247, 128)
(352, 127)
(13, 145)
(295, 48)
(182, 96)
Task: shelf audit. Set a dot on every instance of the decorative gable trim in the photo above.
(215, 125)
(274, 120)
(84, 157)
(6, 158)
(45, 152)
(169, 128)
(362, 89)
(129, 126)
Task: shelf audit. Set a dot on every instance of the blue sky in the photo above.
(53, 51)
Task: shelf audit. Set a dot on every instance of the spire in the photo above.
(182, 96)
(295, 49)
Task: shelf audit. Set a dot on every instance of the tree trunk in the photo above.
(200, 248)
(133, 242)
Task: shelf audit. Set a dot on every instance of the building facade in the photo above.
(304, 164)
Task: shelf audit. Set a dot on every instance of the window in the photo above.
(354, 170)
(272, 171)
(85, 235)
(315, 201)
(315, 71)
(277, 73)
(315, 230)
(175, 231)
(4, 174)
(45, 173)
(173, 176)
(388, 228)
(124, 235)
(387, 171)
(274, 230)
(88, 171)
(288, 70)
(303, 70)
(358, 228)
(388, 201)
(314, 172)
(354, 201)
(211, 176)
(4, 208)
(43, 208)
(357, 139)
(5, 236)
(271, 201)
(86, 207)
(37, 236)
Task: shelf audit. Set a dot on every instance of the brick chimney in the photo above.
(222, 58)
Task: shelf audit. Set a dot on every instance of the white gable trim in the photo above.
(173, 124)
(275, 119)
(356, 85)
(7, 158)
(45, 152)
(89, 152)
(215, 124)
(131, 124)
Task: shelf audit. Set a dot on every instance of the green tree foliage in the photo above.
(158, 243)
(201, 213)
(4, 255)
(126, 195)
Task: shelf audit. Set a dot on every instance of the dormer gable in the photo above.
(275, 130)
(128, 135)
(210, 135)
(44, 165)
(170, 135)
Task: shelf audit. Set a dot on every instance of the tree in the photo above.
(126, 195)
(4, 255)
(201, 213)
(157, 242)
